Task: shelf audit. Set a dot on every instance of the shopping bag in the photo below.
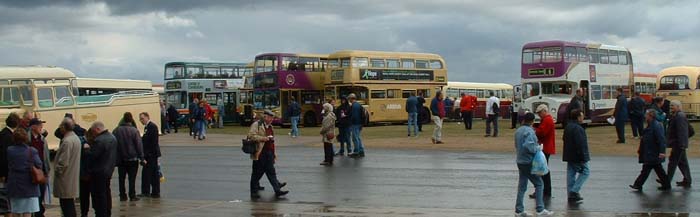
(161, 177)
(539, 164)
(611, 120)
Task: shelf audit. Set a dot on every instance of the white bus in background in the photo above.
(99, 86)
(50, 92)
(551, 71)
(482, 92)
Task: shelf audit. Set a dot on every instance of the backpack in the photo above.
(495, 108)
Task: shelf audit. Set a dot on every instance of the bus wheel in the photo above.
(310, 119)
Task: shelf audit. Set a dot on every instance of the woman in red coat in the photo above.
(545, 135)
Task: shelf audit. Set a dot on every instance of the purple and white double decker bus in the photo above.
(282, 77)
(551, 71)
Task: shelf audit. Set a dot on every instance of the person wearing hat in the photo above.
(575, 155)
(328, 133)
(38, 142)
(545, 135)
(264, 157)
(526, 147)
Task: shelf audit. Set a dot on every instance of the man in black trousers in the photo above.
(102, 157)
(150, 181)
(678, 141)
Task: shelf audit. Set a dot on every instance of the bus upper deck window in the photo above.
(593, 55)
(360, 62)
(407, 63)
(612, 57)
(345, 62)
(421, 64)
(622, 55)
(333, 63)
(377, 63)
(603, 56)
(435, 64)
(553, 54)
(392, 63)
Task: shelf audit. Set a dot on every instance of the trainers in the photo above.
(522, 214)
(545, 212)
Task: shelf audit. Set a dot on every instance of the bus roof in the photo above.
(474, 85)
(113, 83)
(206, 63)
(558, 43)
(34, 72)
(383, 54)
(694, 71)
(294, 54)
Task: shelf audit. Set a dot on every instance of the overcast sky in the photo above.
(480, 40)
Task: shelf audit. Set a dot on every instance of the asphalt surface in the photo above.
(409, 179)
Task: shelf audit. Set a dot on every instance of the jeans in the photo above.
(68, 207)
(637, 125)
(523, 176)
(413, 123)
(492, 120)
(295, 123)
(678, 159)
(437, 132)
(646, 169)
(620, 128)
(573, 183)
(265, 165)
(201, 126)
(150, 182)
(357, 138)
(128, 169)
(344, 139)
(467, 117)
(164, 127)
(101, 195)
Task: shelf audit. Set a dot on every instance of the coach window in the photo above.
(392, 63)
(613, 57)
(435, 64)
(603, 56)
(45, 97)
(360, 62)
(421, 64)
(407, 63)
(570, 54)
(622, 55)
(593, 55)
(596, 92)
(582, 55)
(378, 94)
(407, 93)
(63, 96)
(345, 62)
(393, 93)
(377, 63)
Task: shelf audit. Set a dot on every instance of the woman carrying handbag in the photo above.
(328, 133)
(22, 189)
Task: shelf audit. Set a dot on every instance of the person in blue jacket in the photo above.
(652, 152)
(412, 110)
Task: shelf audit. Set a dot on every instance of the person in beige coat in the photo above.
(328, 133)
(67, 171)
(264, 157)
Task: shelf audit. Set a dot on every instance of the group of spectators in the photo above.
(84, 163)
(200, 117)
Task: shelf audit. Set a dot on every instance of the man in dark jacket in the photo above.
(150, 180)
(342, 113)
(294, 115)
(102, 157)
(357, 119)
(652, 152)
(576, 155)
(412, 110)
(636, 114)
(678, 141)
(437, 108)
(421, 111)
(576, 102)
(173, 115)
(130, 152)
(621, 115)
(77, 129)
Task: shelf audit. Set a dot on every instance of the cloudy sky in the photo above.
(480, 40)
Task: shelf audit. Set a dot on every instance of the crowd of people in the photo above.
(83, 165)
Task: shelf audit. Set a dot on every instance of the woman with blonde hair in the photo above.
(328, 133)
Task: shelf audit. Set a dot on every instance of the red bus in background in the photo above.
(645, 84)
(482, 91)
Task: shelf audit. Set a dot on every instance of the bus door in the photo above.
(230, 105)
(517, 98)
(586, 99)
(285, 99)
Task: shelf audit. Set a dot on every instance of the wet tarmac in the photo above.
(393, 183)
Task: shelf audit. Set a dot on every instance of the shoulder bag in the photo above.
(38, 176)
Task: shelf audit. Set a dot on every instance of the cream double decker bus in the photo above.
(383, 80)
(681, 83)
(50, 92)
